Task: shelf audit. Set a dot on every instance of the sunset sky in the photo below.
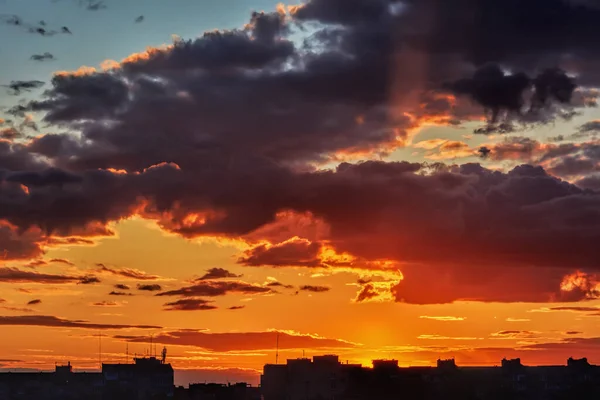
(370, 178)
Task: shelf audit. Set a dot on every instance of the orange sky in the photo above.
(474, 333)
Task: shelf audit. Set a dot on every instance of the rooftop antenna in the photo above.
(126, 353)
(303, 355)
(100, 348)
(164, 355)
(277, 350)
(150, 351)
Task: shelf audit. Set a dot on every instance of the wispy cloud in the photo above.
(443, 318)
(52, 321)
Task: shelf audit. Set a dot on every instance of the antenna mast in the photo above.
(277, 350)
(100, 348)
(126, 353)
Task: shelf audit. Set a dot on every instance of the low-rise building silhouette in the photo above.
(325, 378)
(146, 379)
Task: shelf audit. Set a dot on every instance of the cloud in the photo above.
(366, 293)
(14, 275)
(43, 57)
(19, 87)
(499, 92)
(11, 133)
(61, 261)
(17, 309)
(217, 288)
(236, 307)
(442, 318)
(129, 273)
(440, 337)
(149, 287)
(314, 289)
(573, 333)
(51, 321)
(509, 319)
(89, 280)
(242, 341)
(122, 286)
(352, 91)
(511, 334)
(590, 126)
(295, 252)
(106, 304)
(189, 304)
(218, 273)
(575, 309)
(276, 284)
(117, 293)
(95, 5)
(34, 302)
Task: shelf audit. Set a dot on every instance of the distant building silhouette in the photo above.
(145, 379)
(217, 391)
(325, 378)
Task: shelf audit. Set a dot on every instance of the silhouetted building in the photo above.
(61, 384)
(217, 391)
(147, 378)
(325, 378)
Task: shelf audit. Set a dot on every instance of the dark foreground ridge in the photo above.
(322, 378)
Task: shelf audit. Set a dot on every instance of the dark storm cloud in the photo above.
(51, 321)
(315, 289)
(504, 30)
(149, 288)
(300, 253)
(79, 97)
(218, 273)
(345, 12)
(17, 245)
(48, 177)
(499, 92)
(43, 57)
(217, 288)
(246, 112)
(258, 46)
(189, 305)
